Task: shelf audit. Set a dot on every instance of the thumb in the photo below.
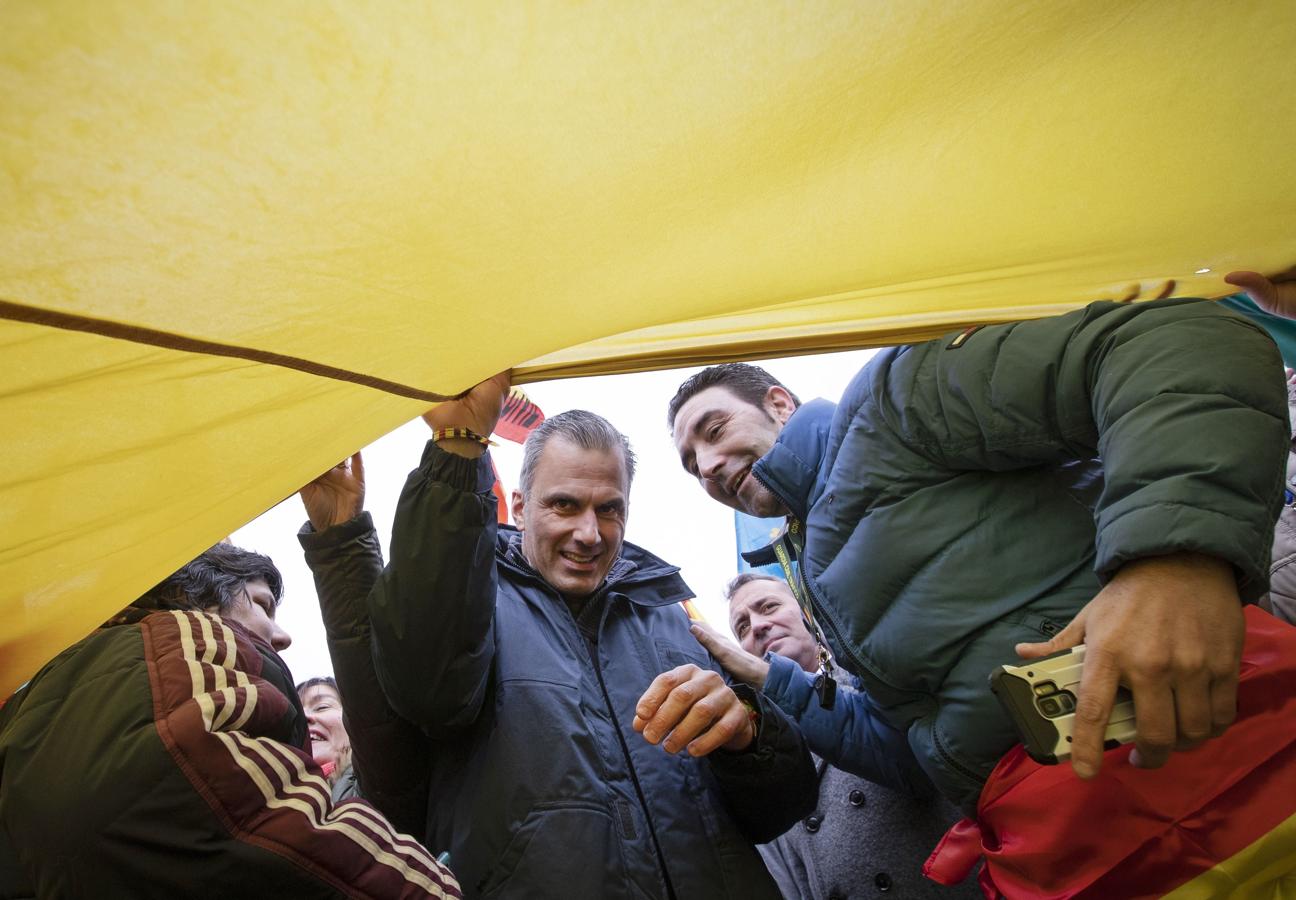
(1068, 637)
(1258, 287)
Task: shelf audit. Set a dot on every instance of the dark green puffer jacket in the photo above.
(965, 496)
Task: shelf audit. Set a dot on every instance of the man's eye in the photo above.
(741, 629)
(714, 432)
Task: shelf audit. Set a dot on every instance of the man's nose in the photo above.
(710, 463)
(586, 530)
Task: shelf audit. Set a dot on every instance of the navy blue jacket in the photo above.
(853, 735)
(537, 784)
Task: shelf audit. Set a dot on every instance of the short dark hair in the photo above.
(327, 681)
(583, 428)
(745, 578)
(215, 578)
(746, 382)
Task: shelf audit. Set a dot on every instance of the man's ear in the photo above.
(517, 504)
(779, 404)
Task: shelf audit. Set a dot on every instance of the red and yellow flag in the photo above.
(1217, 821)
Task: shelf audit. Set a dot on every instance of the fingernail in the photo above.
(651, 736)
(1084, 769)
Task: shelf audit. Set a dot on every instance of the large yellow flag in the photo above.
(240, 239)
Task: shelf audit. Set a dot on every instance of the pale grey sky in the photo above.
(669, 513)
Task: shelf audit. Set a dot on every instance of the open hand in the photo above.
(693, 708)
(337, 496)
(1170, 629)
(741, 665)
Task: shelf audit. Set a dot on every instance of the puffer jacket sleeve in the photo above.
(432, 610)
(1281, 600)
(851, 736)
(389, 754)
(772, 784)
(1182, 400)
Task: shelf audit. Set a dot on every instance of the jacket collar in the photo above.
(791, 467)
(644, 578)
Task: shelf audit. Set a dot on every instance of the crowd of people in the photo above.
(528, 710)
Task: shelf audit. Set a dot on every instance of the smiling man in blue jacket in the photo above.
(565, 732)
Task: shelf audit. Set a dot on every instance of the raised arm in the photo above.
(389, 754)
(432, 611)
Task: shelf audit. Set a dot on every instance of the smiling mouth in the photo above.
(578, 559)
(318, 736)
(737, 481)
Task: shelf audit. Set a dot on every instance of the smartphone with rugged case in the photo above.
(1040, 698)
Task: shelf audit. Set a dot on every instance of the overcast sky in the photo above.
(669, 513)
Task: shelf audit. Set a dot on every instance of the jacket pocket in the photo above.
(673, 655)
(564, 848)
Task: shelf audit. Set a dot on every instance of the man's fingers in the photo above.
(1065, 639)
(1098, 686)
(1257, 287)
(688, 710)
(669, 698)
(1154, 718)
(697, 719)
(706, 636)
(357, 467)
(1193, 716)
(651, 700)
(734, 722)
(1223, 703)
(716, 645)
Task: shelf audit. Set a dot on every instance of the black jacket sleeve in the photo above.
(433, 608)
(771, 785)
(388, 753)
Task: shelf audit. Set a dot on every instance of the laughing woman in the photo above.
(329, 742)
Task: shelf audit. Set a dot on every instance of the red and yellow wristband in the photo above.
(441, 434)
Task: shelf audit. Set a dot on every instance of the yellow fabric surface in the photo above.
(1266, 870)
(431, 192)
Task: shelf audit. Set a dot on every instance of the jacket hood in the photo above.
(791, 467)
(661, 581)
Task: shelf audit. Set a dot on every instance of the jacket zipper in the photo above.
(592, 650)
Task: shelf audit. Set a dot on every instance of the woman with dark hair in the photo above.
(165, 755)
(328, 735)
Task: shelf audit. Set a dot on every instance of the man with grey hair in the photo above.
(540, 665)
(878, 817)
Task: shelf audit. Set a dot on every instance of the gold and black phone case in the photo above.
(1040, 698)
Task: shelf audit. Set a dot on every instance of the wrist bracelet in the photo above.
(441, 434)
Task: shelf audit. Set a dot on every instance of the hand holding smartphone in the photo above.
(1040, 698)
